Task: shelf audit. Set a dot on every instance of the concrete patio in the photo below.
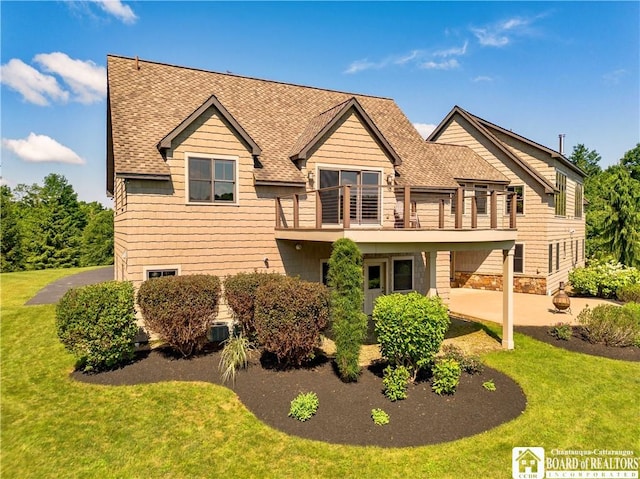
(528, 309)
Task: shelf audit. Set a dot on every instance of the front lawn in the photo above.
(55, 427)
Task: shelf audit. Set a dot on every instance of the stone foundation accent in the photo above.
(493, 282)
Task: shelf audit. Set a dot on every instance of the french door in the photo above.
(364, 198)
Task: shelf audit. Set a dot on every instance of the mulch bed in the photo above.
(578, 343)
(344, 414)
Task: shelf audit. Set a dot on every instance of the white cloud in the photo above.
(42, 149)
(118, 9)
(482, 78)
(87, 80)
(501, 33)
(361, 65)
(450, 64)
(34, 86)
(424, 129)
(452, 51)
(614, 77)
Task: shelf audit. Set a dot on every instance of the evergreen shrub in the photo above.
(349, 323)
(290, 314)
(240, 295)
(97, 324)
(180, 309)
(410, 329)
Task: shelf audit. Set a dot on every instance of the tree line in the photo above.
(613, 205)
(45, 226)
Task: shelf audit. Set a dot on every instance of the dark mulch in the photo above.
(344, 414)
(580, 344)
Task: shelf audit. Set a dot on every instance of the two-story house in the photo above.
(549, 207)
(218, 173)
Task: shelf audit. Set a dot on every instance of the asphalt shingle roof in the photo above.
(148, 100)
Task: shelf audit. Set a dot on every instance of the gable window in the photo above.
(364, 196)
(519, 192)
(561, 195)
(481, 199)
(518, 259)
(579, 201)
(212, 179)
(403, 274)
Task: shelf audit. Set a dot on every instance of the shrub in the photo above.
(234, 356)
(395, 382)
(489, 385)
(304, 406)
(446, 376)
(612, 325)
(470, 364)
(240, 295)
(380, 418)
(97, 324)
(180, 309)
(410, 329)
(629, 293)
(289, 316)
(602, 279)
(561, 331)
(349, 323)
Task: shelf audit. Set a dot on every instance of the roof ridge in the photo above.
(122, 57)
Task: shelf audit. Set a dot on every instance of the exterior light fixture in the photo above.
(310, 176)
(390, 180)
(298, 246)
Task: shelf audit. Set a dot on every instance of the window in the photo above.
(212, 180)
(576, 251)
(518, 259)
(324, 271)
(557, 256)
(454, 201)
(519, 192)
(159, 273)
(481, 199)
(561, 195)
(403, 274)
(364, 196)
(550, 258)
(579, 201)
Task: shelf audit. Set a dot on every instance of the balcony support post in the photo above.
(346, 207)
(474, 211)
(318, 210)
(494, 209)
(296, 211)
(512, 217)
(441, 214)
(459, 199)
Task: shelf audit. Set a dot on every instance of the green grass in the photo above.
(55, 427)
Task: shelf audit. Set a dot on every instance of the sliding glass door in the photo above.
(364, 197)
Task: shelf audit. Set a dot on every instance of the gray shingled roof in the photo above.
(148, 100)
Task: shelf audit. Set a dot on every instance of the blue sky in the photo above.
(538, 68)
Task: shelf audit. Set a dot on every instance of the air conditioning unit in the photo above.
(218, 332)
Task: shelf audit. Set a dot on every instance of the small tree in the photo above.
(410, 329)
(349, 323)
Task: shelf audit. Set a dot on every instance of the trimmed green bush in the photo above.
(349, 323)
(602, 279)
(446, 376)
(410, 329)
(304, 406)
(612, 325)
(289, 317)
(629, 293)
(395, 381)
(470, 364)
(380, 418)
(561, 331)
(240, 295)
(97, 324)
(180, 309)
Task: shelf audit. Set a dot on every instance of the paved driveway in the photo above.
(52, 292)
(528, 309)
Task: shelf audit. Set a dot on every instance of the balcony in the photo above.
(389, 214)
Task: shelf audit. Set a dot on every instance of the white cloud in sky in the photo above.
(424, 129)
(614, 77)
(87, 80)
(34, 86)
(450, 64)
(117, 9)
(482, 78)
(42, 149)
(421, 58)
(501, 33)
